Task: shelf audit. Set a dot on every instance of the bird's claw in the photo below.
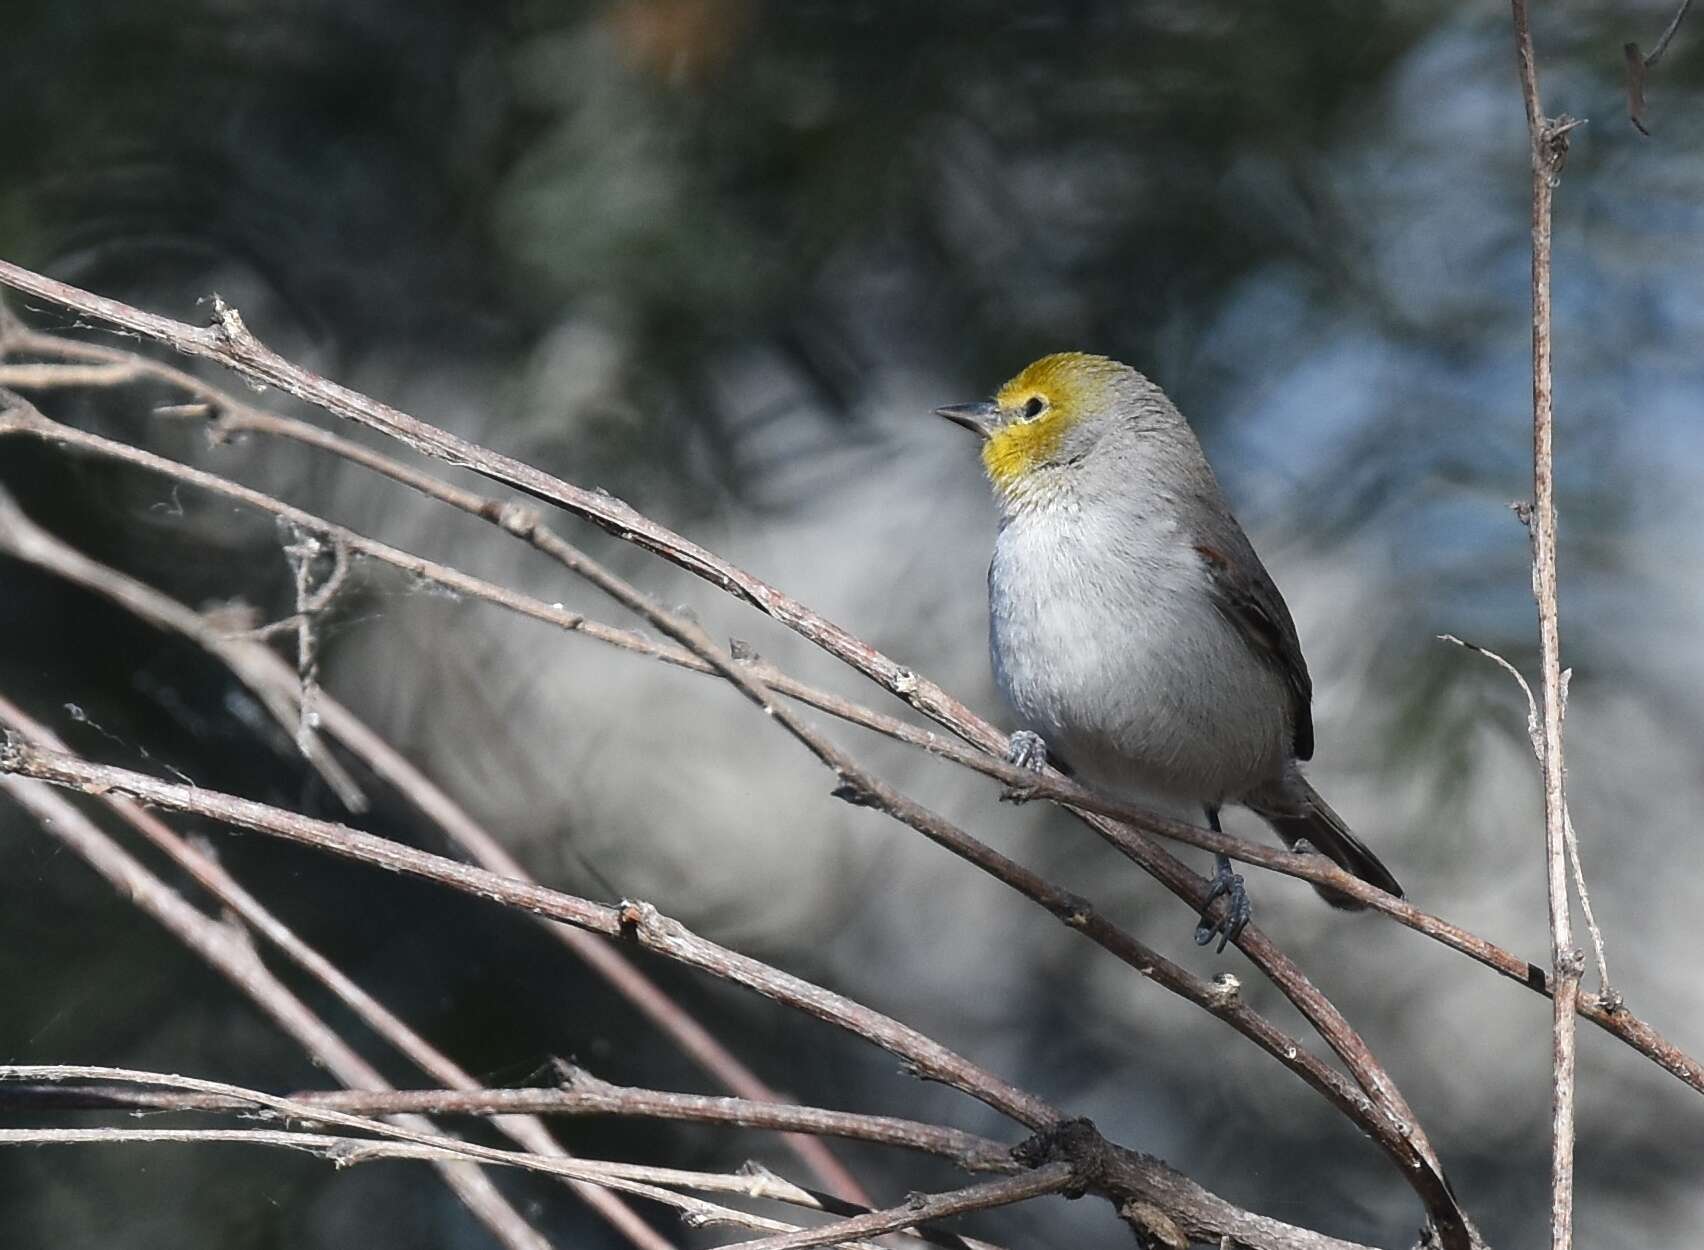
(1027, 751)
(1227, 882)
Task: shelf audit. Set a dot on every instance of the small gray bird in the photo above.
(1134, 630)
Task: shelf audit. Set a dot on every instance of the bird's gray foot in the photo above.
(1227, 882)
(1029, 752)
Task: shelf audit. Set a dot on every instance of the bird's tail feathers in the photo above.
(1308, 816)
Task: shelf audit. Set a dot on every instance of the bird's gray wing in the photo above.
(1244, 593)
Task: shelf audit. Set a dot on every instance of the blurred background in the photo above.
(721, 257)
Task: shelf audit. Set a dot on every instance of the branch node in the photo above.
(14, 751)
(634, 916)
(229, 322)
(1552, 145)
(18, 415)
(1017, 794)
(852, 790)
(1076, 1142)
(1154, 1229)
(568, 1074)
(343, 1154)
(1227, 990)
(1075, 910)
(519, 519)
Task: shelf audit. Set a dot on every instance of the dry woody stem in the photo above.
(1549, 143)
(661, 1185)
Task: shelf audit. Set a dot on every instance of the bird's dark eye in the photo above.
(1035, 406)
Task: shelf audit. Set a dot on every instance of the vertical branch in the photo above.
(1549, 138)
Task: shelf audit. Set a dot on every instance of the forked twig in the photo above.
(1638, 66)
(1608, 996)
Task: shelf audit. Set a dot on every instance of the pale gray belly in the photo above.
(1127, 670)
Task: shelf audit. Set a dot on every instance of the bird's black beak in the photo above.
(977, 418)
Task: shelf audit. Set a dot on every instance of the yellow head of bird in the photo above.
(1028, 423)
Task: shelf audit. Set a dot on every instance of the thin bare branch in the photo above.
(1074, 910)
(1050, 1178)
(211, 876)
(583, 1095)
(275, 685)
(636, 922)
(1087, 1159)
(235, 418)
(1642, 1037)
(1637, 67)
(1535, 736)
(638, 1180)
(1395, 1128)
(1549, 140)
(1668, 35)
(1399, 1134)
(227, 949)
